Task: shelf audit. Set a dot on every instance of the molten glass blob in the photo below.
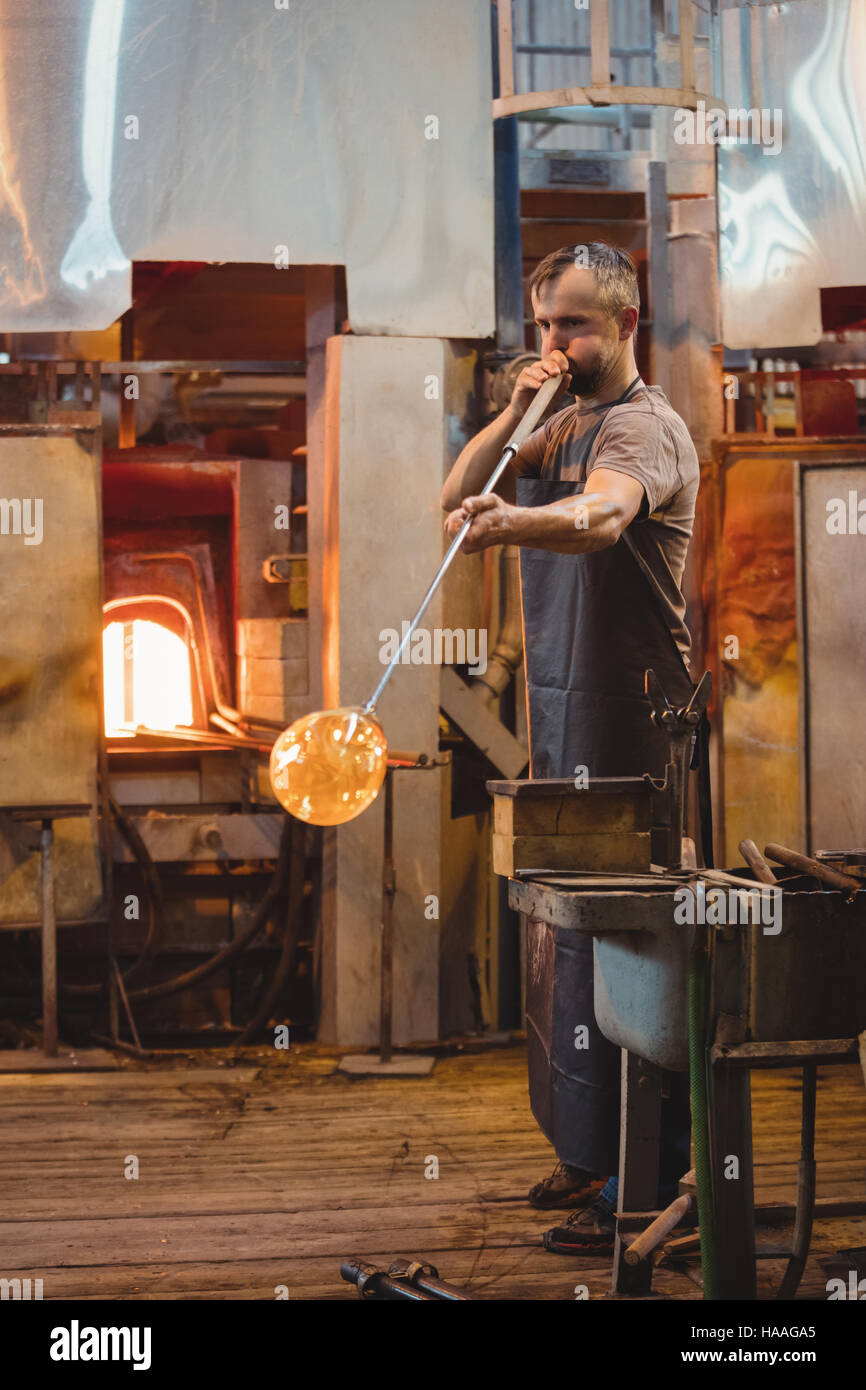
(328, 767)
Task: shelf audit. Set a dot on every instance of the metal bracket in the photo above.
(680, 725)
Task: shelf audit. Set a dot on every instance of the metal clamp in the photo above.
(680, 725)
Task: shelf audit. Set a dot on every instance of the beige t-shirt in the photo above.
(646, 439)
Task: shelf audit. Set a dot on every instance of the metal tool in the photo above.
(407, 1064)
(680, 726)
(410, 1280)
(539, 404)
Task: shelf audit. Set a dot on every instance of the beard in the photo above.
(586, 380)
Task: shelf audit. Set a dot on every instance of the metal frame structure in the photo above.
(600, 91)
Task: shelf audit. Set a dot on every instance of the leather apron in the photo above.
(592, 624)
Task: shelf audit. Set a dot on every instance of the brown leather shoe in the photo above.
(588, 1232)
(566, 1187)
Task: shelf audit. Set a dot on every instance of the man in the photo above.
(601, 501)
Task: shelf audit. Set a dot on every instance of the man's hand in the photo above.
(494, 522)
(535, 375)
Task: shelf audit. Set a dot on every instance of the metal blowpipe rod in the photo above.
(526, 425)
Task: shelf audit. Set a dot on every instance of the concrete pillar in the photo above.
(386, 444)
(320, 288)
(695, 389)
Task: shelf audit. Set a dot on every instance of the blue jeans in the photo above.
(675, 1143)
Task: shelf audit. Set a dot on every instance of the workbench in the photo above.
(782, 995)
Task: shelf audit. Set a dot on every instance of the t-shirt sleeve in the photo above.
(639, 444)
(527, 463)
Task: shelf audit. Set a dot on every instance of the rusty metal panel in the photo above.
(831, 559)
(750, 587)
(755, 621)
(50, 636)
(809, 981)
(173, 839)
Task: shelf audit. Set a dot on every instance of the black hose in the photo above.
(156, 926)
(240, 943)
(216, 962)
(153, 889)
(291, 934)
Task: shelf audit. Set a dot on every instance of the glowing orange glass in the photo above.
(328, 767)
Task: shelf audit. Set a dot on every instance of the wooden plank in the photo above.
(531, 788)
(490, 736)
(20, 1061)
(119, 1240)
(506, 48)
(609, 95)
(687, 44)
(122, 1081)
(570, 814)
(599, 43)
(271, 1173)
(623, 853)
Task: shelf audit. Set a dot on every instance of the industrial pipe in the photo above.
(505, 657)
(404, 1279)
(291, 933)
(376, 1283)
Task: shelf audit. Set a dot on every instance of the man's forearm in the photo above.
(589, 521)
(477, 461)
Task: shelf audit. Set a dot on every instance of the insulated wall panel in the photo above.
(50, 632)
(832, 573)
(318, 132)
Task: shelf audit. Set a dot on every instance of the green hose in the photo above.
(697, 1009)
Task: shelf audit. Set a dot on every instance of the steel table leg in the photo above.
(389, 888)
(805, 1187)
(49, 944)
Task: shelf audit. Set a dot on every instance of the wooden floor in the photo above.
(267, 1168)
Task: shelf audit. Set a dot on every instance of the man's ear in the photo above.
(628, 322)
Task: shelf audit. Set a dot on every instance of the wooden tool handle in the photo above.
(756, 862)
(654, 1235)
(534, 411)
(792, 860)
